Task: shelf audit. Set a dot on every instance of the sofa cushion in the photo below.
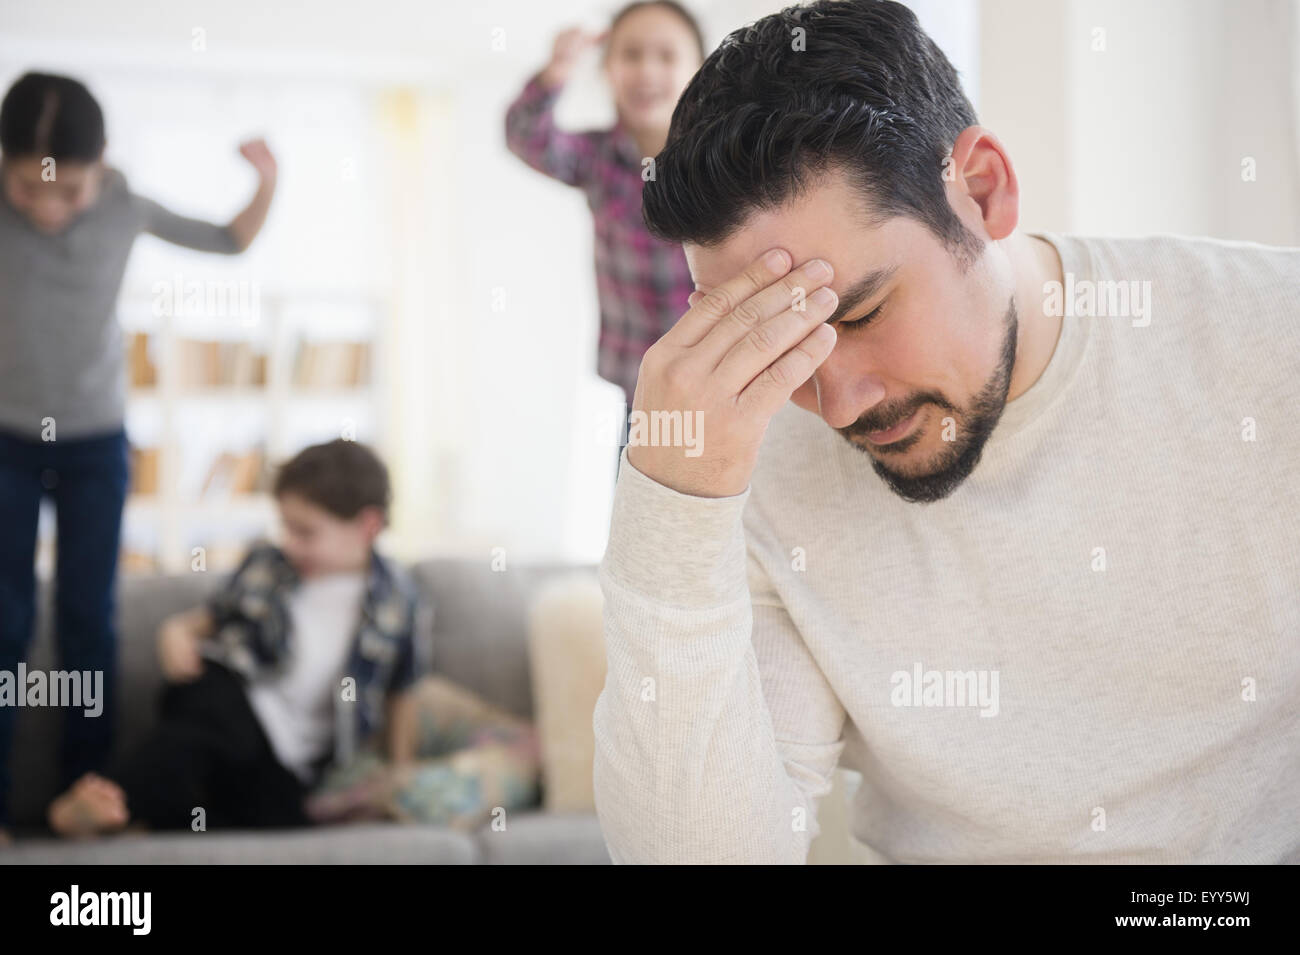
(544, 838)
(480, 625)
(373, 843)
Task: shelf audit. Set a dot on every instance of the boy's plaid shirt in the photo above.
(642, 283)
(253, 636)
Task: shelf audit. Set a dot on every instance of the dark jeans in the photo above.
(87, 479)
(209, 751)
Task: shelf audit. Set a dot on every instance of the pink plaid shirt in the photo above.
(641, 283)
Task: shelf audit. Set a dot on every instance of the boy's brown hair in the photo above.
(341, 477)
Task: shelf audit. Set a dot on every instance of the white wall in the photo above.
(1128, 117)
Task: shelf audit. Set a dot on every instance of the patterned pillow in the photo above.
(473, 760)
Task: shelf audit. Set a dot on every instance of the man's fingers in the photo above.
(791, 291)
(719, 302)
(769, 340)
(774, 386)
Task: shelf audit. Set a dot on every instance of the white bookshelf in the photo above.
(185, 423)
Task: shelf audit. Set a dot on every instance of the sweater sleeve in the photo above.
(716, 732)
(531, 134)
(181, 230)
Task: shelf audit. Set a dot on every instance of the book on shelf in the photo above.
(140, 369)
(331, 364)
(144, 470)
(218, 364)
(235, 474)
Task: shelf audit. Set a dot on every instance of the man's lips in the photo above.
(895, 432)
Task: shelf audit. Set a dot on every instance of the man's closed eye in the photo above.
(864, 320)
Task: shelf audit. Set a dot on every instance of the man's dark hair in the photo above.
(870, 95)
(341, 477)
(47, 115)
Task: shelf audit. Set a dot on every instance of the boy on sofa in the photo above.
(305, 654)
(262, 727)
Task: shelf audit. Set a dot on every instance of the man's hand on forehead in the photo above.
(853, 297)
(729, 364)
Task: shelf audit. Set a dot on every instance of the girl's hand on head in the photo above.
(569, 46)
(259, 156)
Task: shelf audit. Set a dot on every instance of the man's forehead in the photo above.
(850, 245)
(711, 266)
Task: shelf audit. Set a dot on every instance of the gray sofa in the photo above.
(479, 640)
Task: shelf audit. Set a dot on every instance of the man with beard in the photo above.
(1057, 617)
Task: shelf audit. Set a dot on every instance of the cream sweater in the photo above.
(1090, 652)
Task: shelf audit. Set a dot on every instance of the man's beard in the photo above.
(958, 458)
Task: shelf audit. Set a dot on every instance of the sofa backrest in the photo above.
(480, 624)
(478, 638)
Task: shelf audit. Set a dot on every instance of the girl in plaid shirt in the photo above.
(651, 51)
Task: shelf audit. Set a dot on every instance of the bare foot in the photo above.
(93, 805)
(6, 838)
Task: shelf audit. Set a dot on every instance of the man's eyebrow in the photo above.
(860, 291)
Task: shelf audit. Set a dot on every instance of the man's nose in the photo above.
(846, 390)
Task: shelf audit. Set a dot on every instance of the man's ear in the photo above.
(981, 183)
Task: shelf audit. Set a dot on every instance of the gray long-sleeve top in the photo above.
(61, 347)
